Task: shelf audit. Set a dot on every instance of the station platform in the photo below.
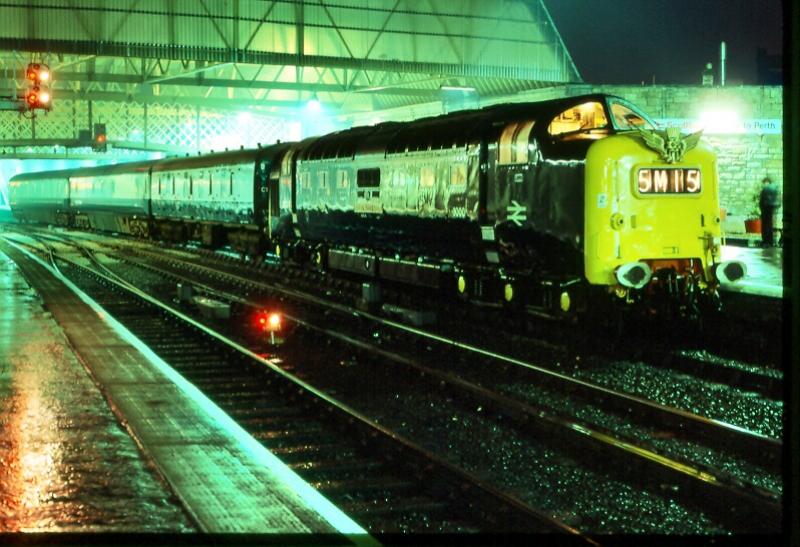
(764, 270)
(67, 465)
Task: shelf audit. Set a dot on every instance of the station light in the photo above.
(313, 105)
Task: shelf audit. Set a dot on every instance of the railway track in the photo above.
(734, 502)
(383, 480)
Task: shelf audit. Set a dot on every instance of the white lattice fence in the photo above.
(179, 127)
(14, 127)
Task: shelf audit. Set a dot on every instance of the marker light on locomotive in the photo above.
(634, 275)
(730, 271)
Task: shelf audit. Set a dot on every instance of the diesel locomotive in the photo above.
(552, 204)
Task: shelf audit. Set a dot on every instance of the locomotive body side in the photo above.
(410, 202)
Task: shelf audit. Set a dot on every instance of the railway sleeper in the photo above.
(286, 435)
(363, 488)
(310, 468)
(270, 422)
(418, 504)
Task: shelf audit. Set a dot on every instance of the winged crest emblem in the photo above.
(670, 143)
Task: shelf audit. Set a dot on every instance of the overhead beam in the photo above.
(224, 55)
(144, 98)
(181, 80)
(166, 77)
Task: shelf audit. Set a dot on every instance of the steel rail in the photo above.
(754, 447)
(740, 505)
(513, 509)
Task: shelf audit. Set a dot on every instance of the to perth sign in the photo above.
(760, 126)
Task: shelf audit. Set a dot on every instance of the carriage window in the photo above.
(210, 183)
(427, 177)
(323, 180)
(579, 118)
(230, 184)
(368, 178)
(458, 174)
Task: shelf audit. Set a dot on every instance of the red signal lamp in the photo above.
(37, 72)
(37, 98)
(269, 322)
(33, 72)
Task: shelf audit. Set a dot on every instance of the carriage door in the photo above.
(262, 207)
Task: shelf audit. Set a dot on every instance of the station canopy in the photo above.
(195, 75)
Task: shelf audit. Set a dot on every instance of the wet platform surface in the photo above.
(66, 465)
(227, 482)
(764, 270)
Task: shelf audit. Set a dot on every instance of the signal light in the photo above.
(37, 98)
(38, 94)
(100, 140)
(270, 322)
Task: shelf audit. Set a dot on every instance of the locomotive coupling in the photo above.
(634, 275)
(730, 271)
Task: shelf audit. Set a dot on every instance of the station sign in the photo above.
(753, 126)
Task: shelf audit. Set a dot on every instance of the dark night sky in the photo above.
(629, 41)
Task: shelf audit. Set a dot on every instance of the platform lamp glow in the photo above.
(313, 105)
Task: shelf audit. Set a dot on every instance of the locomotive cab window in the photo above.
(626, 119)
(579, 120)
(368, 178)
